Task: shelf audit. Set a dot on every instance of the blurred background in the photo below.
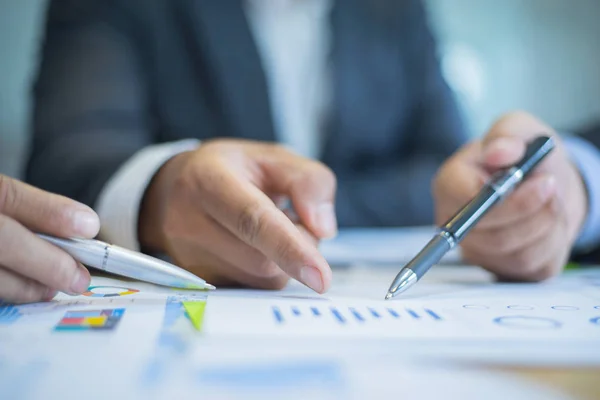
(539, 55)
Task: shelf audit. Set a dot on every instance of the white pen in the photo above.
(120, 261)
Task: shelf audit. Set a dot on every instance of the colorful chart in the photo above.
(90, 320)
(108, 291)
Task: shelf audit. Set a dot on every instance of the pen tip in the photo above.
(388, 296)
(210, 287)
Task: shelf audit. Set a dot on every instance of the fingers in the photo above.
(458, 181)
(252, 217)
(511, 238)
(503, 151)
(532, 256)
(45, 212)
(18, 289)
(505, 143)
(25, 254)
(528, 199)
(309, 184)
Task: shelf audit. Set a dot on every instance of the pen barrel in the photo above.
(87, 252)
(150, 269)
(431, 254)
(462, 222)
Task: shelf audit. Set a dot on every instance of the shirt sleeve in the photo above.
(119, 202)
(587, 159)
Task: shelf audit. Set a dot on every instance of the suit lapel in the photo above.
(224, 35)
(366, 90)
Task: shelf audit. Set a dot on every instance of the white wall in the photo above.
(538, 55)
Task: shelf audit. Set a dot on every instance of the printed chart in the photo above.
(8, 314)
(577, 319)
(344, 314)
(90, 320)
(108, 291)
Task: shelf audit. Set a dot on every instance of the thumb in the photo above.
(44, 212)
(506, 142)
(309, 184)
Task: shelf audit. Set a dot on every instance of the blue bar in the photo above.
(315, 311)
(338, 315)
(295, 311)
(413, 313)
(277, 315)
(393, 313)
(434, 315)
(374, 313)
(356, 314)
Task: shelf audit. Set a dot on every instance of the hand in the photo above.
(32, 269)
(213, 211)
(529, 236)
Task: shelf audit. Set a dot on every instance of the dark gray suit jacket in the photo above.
(118, 75)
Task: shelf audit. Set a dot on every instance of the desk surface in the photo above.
(580, 383)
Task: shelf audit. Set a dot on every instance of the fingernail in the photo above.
(86, 223)
(80, 282)
(548, 187)
(325, 218)
(311, 277)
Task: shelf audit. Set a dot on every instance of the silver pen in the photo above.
(453, 231)
(131, 264)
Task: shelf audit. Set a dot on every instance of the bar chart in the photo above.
(351, 314)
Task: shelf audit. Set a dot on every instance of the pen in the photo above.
(455, 229)
(120, 261)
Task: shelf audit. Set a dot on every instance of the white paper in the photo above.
(154, 352)
(468, 317)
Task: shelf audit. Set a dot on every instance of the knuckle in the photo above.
(501, 240)
(4, 225)
(30, 292)
(64, 268)
(524, 262)
(287, 250)
(328, 175)
(266, 268)
(251, 221)
(278, 149)
(277, 282)
(8, 193)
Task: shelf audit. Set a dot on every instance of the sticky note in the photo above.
(195, 310)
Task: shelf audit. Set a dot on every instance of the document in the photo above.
(156, 342)
(565, 310)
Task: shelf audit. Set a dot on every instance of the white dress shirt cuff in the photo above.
(118, 205)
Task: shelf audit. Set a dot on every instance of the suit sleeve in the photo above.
(89, 111)
(585, 153)
(400, 194)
